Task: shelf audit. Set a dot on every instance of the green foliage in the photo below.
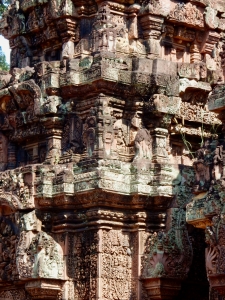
(3, 64)
(3, 6)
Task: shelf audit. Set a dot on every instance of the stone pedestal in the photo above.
(217, 282)
(44, 289)
(162, 288)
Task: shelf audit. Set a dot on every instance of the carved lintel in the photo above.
(163, 104)
(187, 14)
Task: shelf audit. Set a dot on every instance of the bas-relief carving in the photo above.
(8, 243)
(116, 265)
(206, 209)
(82, 264)
(168, 254)
(16, 189)
(38, 254)
(143, 144)
(188, 14)
(103, 96)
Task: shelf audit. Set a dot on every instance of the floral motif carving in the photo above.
(82, 263)
(168, 254)
(116, 264)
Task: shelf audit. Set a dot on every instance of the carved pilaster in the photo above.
(160, 144)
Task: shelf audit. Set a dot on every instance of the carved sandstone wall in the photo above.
(101, 113)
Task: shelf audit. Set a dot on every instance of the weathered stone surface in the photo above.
(101, 118)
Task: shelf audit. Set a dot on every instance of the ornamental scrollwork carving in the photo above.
(9, 236)
(116, 264)
(187, 13)
(168, 254)
(15, 189)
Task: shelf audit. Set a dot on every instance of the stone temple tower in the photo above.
(101, 114)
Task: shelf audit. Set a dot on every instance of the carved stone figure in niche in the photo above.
(158, 262)
(130, 136)
(47, 253)
(143, 144)
(89, 134)
(121, 136)
(108, 141)
(42, 154)
(75, 136)
(217, 160)
(38, 254)
(89, 140)
(72, 135)
(202, 175)
(109, 133)
(202, 166)
(142, 141)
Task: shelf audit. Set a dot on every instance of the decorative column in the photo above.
(54, 147)
(162, 109)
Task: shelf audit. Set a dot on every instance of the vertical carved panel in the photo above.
(82, 264)
(8, 244)
(116, 265)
